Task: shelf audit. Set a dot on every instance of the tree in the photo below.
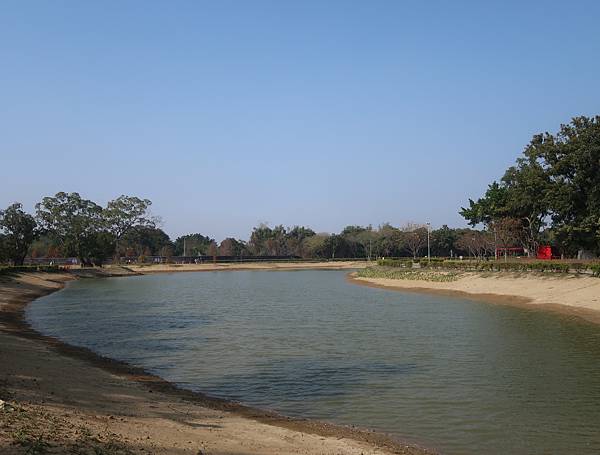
(195, 245)
(19, 232)
(123, 214)
(415, 238)
(3, 255)
(443, 241)
(572, 159)
(555, 183)
(73, 222)
(233, 247)
(389, 241)
(295, 239)
(147, 241)
(316, 246)
(478, 244)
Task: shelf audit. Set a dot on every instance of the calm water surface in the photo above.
(458, 376)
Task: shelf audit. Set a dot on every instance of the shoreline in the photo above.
(337, 438)
(576, 297)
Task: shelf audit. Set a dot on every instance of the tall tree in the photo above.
(19, 232)
(74, 223)
(415, 238)
(123, 214)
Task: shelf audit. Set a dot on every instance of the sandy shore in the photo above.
(61, 399)
(209, 267)
(573, 295)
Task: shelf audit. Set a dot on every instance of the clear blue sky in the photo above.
(323, 113)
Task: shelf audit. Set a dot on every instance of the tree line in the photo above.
(550, 196)
(68, 225)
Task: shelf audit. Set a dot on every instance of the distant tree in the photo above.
(212, 249)
(233, 247)
(389, 241)
(295, 239)
(125, 213)
(479, 244)
(415, 238)
(195, 245)
(147, 241)
(19, 231)
(443, 241)
(316, 246)
(3, 255)
(167, 252)
(73, 222)
(265, 241)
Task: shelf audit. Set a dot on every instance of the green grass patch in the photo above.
(399, 274)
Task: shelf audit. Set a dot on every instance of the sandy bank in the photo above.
(209, 267)
(573, 295)
(63, 399)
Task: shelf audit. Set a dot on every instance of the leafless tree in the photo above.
(415, 238)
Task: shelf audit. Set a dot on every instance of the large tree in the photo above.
(557, 181)
(19, 230)
(572, 158)
(125, 213)
(76, 224)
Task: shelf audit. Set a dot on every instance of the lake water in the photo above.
(458, 376)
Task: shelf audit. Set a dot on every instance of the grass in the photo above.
(418, 275)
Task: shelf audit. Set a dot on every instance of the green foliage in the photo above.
(19, 232)
(556, 180)
(404, 263)
(491, 266)
(73, 222)
(396, 274)
(144, 240)
(195, 245)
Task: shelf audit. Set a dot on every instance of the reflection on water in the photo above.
(459, 376)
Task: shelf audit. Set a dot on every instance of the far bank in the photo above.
(569, 294)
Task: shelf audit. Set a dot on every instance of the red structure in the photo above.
(546, 252)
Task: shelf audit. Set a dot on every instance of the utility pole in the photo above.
(428, 243)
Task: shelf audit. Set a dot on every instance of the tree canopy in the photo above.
(553, 191)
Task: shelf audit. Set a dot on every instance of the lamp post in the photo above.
(428, 244)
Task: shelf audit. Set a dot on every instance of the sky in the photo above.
(321, 113)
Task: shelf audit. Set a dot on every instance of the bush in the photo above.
(405, 263)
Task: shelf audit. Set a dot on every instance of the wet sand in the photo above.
(571, 295)
(63, 399)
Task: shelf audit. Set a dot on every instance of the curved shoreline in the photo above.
(14, 323)
(515, 300)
